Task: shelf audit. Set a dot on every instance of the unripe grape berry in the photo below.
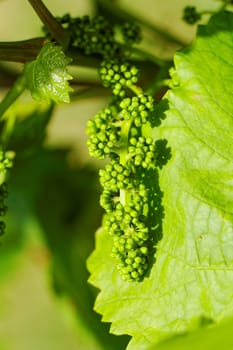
(190, 15)
(131, 33)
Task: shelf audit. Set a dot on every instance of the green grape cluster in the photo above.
(131, 32)
(118, 134)
(137, 108)
(118, 75)
(126, 223)
(115, 175)
(6, 162)
(190, 15)
(142, 151)
(93, 36)
(97, 35)
(103, 134)
(124, 199)
(90, 35)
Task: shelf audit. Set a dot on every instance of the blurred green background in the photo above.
(45, 300)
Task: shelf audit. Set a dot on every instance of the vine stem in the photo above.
(60, 34)
(136, 89)
(160, 80)
(21, 51)
(125, 128)
(15, 91)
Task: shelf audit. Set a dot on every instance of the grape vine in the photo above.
(121, 133)
(163, 157)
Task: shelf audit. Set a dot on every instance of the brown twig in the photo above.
(21, 51)
(60, 34)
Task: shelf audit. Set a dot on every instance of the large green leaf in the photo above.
(192, 277)
(214, 338)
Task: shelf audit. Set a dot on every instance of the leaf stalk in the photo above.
(21, 51)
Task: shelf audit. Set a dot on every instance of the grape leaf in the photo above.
(214, 338)
(192, 276)
(47, 76)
